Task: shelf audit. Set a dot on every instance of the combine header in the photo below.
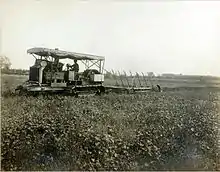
(48, 76)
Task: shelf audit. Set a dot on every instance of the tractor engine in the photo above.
(34, 71)
(46, 72)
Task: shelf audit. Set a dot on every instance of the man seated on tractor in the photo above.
(75, 68)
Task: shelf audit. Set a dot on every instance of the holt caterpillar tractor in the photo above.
(48, 76)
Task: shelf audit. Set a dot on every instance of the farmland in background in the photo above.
(164, 82)
(182, 81)
(175, 130)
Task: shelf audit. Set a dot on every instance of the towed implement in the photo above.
(48, 75)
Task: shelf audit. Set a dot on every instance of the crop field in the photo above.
(170, 130)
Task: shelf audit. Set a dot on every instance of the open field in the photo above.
(11, 81)
(167, 82)
(177, 129)
(189, 82)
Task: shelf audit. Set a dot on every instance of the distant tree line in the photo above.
(5, 65)
(15, 71)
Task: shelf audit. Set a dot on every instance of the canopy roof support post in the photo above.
(103, 63)
(93, 63)
(100, 66)
(97, 63)
(85, 64)
(34, 56)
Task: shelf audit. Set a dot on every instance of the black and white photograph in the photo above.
(110, 85)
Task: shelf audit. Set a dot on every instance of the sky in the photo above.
(141, 36)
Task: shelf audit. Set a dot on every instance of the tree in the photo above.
(5, 62)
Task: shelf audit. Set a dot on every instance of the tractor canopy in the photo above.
(55, 53)
(88, 60)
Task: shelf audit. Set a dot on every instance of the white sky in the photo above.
(172, 36)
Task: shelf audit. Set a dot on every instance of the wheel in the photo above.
(21, 92)
(156, 88)
(100, 90)
(35, 94)
(74, 93)
(159, 88)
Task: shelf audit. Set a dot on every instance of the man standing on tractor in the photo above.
(75, 67)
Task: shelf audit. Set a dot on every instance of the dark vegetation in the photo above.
(175, 130)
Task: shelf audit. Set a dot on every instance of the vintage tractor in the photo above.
(48, 75)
